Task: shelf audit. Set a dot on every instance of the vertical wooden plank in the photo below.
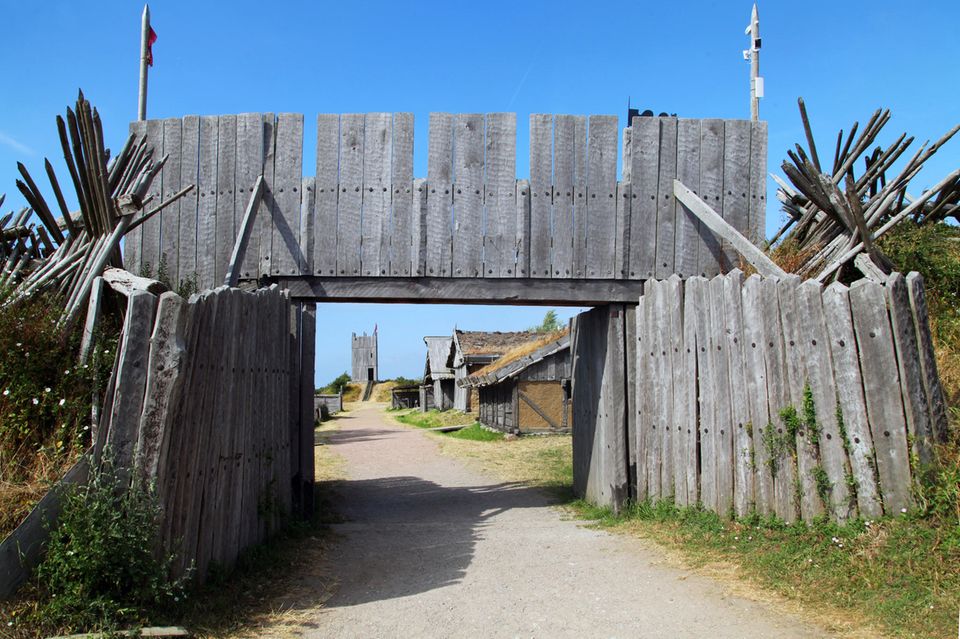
(778, 394)
(439, 240)
(269, 207)
(916, 407)
(580, 217)
(418, 237)
(132, 240)
(350, 199)
(928, 362)
(225, 230)
(755, 373)
(541, 193)
(404, 216)
(564, 175)
(663, 387)
(287, 253)
(468, 163)
(150, 237)
(170, 216)
(711, 191)
(699, 312)
(666, 204)
(650, 438)
(308, 204)
(736, 184)
(622, 238)
(687, 236)
(327, 180)
(500, 231)
(249, 140)
(795, 356)
(851, 406)
(743, 454)
(677, 425)
(689, 388)
(757, 212)
(207, 248)
(374, 222)
(644, 176)
(819, 375)
(189, 174)
(878, 365)
(602, 187)
(523, 227)
(557, 370)
(723, 426)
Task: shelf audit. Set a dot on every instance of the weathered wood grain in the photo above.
(928, 361)
(500, 210)
(405, 217)
(621, 255)
(327, 180)
(743, 454)
(757, 211)
(541, 193)
(132, 240)
(878, 367)
(189, 174)
(689, 389)
(207, 249)
(851, 406)
(755, 373)
(564, 178)
(645, 176)
(666, 204)
(250, 143)
(700, 294)
(468, 171)
(601, 187)
(663, 388)
(580, 214)
(677, 424)
(286, 253)
(912, 389)
(439, 261)
(244, 233)
(711, 192)
(269, 208)
(376, 191)
(687, 234)
(170, 216)
(418, 237)
(644, 382)
(736, 184)
(308, 204)
(150, 237)
(723, 415)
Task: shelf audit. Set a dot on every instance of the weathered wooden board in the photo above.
(286, 254)
(878, 367)
(723, 425)
(500, 209)
(621, 256)
(224, 222)
(687, 241)
(677, 425)
(851, 406)
(564, 179)
(308, 204)
(189, 172)
(558, 370)
(132, 240)
(327, 180)
(700, 295)
(541, 193)
(743, 454)
(170, 216)
(405, 218)
(237, 183)
(602, 188)
(783, 466)
(439, 199)
(795, 356)
(349, 202)
(687, 375)
(208, 250)
(644, 175)
(928, 362)
(757, 212)
(376, 190)
(269, 208)
(914, 393)
(418, 239)
(829, 444)
(711, 192)
(666, 205)
(755, 379)
(581, 218)
(736, 184)
(644, 382)
(663, 387)
(468, 165)
(150, 237)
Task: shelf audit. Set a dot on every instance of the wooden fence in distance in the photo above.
(363, 214)
(784, 396)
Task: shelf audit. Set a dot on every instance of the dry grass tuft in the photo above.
(522, 350)
(790, 257)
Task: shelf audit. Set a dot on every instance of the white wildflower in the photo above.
(19, 343)
(46, 390)
(903, 510)
(35, 401)
(6, 392)
(63, 400)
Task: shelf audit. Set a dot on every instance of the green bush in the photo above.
(101, 568)
(337, 385)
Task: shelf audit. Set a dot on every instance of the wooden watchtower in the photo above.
(364, 358)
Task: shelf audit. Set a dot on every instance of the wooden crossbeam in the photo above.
(243, 236)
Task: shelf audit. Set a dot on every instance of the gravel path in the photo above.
(432, 549)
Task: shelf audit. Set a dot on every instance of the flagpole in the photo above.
(144, 49)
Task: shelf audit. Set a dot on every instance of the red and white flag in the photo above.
(150, 40)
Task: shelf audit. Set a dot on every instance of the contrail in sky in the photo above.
(6, 140)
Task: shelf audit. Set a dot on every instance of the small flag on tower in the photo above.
(150, 40)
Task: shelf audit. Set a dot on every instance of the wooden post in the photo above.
(144, 52)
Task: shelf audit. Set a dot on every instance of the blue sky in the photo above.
(845, 58)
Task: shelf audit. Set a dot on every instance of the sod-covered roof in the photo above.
(519, 358)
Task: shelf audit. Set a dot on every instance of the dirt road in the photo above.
(432, 549)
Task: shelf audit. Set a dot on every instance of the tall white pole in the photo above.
(756, 90)
(144, 49)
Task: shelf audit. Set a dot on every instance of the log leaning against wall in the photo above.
(777, 395)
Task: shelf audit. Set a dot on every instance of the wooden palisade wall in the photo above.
(363, 214)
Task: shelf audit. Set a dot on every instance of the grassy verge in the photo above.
(472, 430)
